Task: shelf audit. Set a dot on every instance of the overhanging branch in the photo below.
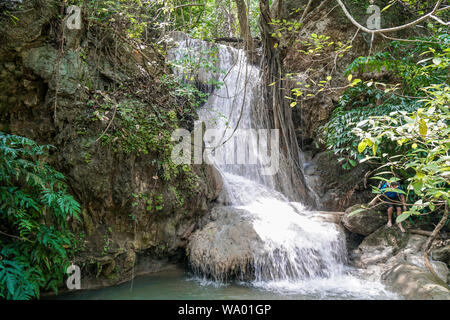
(408, 25)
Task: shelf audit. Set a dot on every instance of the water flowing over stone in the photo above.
(291, 246)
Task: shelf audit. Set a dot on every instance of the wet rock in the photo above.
(413, 253)
(309, 169)
(442, 254)
(364, 222)
(224, 247)
(414, 283)
(215, 181)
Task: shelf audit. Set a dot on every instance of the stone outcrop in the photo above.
(396, 259)
(364, 222)
(136, 214)
(414, 283)
(224, 247)
(379, 246)
(442, 254)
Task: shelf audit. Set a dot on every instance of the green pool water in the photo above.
(178, 284)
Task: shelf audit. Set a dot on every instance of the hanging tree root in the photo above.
(427, 248)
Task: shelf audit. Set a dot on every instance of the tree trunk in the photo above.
(280, 115)
(244, 25)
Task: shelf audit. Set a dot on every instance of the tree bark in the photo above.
(244, 25)
(427, 248)
(280, 114)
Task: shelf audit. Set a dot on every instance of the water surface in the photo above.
(180, 285)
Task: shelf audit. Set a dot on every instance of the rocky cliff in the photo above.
(101, 102)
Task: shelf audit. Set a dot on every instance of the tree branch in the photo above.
(439, 20)
(189, 5)
(16, 237)
(433, 235)
(305, 11)
(410, 24)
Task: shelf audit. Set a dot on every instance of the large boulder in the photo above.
(379, 246)
(397, 258)
(364, 222)
(415, 283)
(442, 254)
(224, 247)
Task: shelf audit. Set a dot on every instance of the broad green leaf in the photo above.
(405, 215)
(362, 146)
(356, 211)
(423, 127)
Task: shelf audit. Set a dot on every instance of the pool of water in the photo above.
(180, 285)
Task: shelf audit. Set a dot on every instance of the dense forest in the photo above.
(91, 93)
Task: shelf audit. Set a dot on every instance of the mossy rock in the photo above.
(386, 236)
(364, 222)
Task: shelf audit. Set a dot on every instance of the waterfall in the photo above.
(297, 247)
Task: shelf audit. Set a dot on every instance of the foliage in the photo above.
(406, 68)
(189, 66)
(312, 48)
(364, 102)
(34, 210)
(133, 16)
(203, 19)
(152, 203)
(134, 128)
(423, 142)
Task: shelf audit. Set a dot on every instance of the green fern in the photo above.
(35, 239)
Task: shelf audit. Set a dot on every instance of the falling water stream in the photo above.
(302, 257)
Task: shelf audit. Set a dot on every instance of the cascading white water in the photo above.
(300, 253)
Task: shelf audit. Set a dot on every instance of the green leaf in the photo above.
(437, 61)
(405, 215)
(356, 211)
(423, 127)
(362, 146)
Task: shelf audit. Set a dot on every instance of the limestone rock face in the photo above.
(49, 95)
(414, 283)
(364, 222)
(224, 247)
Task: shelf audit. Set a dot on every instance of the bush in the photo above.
(409, 67)
(35, 240)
